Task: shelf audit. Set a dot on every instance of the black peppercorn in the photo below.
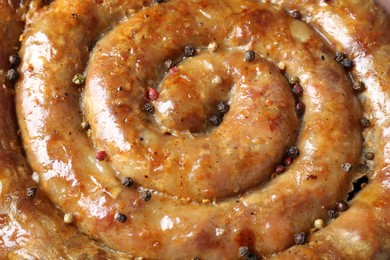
(12, 75)
(215, 120)
(14, 60)
(243, 251)
(347, 63)
(127, 182)
(31, 191)
(339, 56)
(296, 14)
(292, 152)
(146, 195)
(223, 107)
(159, 1)
(249, 56)
(341, 206)
(189, 51)
(121, 217)
(300, 238)
(148, 108)
(332, 214)
(365, 122)
(86, 125)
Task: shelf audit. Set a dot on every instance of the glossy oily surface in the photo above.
(209, 129)
(31, 227)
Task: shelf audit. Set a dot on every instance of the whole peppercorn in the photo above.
(12, 75)
(189, 51)
(358, 86)
(215, 120)
(347, 167)
(287, 161)
(297, 90)
(31, 191)
(121, 217)
(293, 80)
(14, 59)
(292, 152)
(300, 238)
(332, 213)
(146, 195)
(223, 107)
(148, 108)
(369, 155)
(339, 56)
(78, 79)
(101, 155)
(68, 218)
(347, 63)
(280, 169)
(296, 14)
(341, 206)
(365, 122)
(159, 1)
(212, 47)
(249, 56)
(243, 251)
(319, 223)
(127, 182)
(168, 64)
(86, 125)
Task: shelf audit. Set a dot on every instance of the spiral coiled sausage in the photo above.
(209, 129)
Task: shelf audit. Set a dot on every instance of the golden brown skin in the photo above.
(363, 231)
(192, 163)
(166, 227)
(30, 227)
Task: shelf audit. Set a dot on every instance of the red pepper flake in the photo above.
(173, 70)
(152, 94)
(101, 155)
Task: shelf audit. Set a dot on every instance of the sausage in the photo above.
(185, 218)
(31, 227)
